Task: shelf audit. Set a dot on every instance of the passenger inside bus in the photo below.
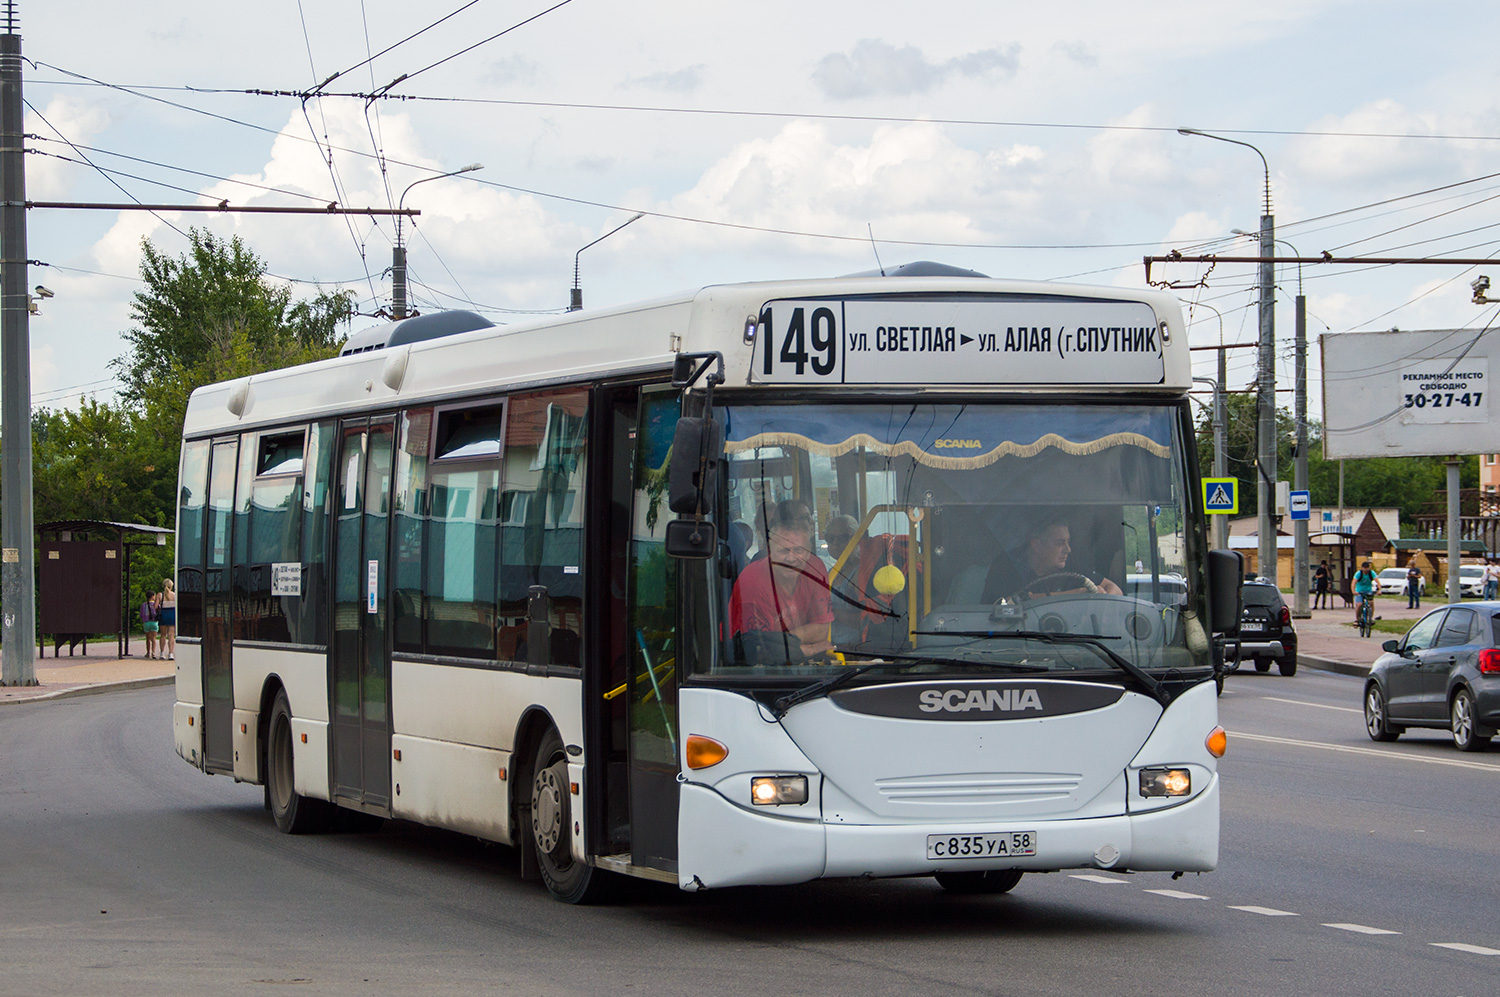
(785, 592)
(1040, 566)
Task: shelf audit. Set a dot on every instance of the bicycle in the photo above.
(1363, 617)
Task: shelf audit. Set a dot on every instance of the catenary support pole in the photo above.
(1265, 479)
(17, 585)
(1300, 607)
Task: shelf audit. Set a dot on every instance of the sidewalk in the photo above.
(101, 669)
(1330, 643)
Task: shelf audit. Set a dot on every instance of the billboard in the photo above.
(1409, 394)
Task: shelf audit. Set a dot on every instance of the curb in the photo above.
(1331, 665)
(97, 687)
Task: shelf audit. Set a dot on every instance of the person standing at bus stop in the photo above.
(151, 621)
(167, 644)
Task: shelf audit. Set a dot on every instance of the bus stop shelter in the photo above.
(83, 569)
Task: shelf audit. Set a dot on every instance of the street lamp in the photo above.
(1266, 382)
(398, 252)
(575, 300)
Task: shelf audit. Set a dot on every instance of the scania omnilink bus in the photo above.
(442, 579)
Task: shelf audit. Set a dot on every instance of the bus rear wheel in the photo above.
(567, 879)
(989, 881)
(293, 812)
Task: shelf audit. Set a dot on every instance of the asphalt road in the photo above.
(123, 871)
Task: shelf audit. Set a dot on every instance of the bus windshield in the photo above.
(954, 538)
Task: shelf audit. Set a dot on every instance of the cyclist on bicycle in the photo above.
(1364, 592)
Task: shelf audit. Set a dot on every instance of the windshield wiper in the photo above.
(824, 686)
(1094, 642)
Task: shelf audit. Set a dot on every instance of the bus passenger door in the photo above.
(652, 655)
(218, 624)
(360, 662)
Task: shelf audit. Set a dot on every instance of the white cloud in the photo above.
(878, 68)
(64, 118)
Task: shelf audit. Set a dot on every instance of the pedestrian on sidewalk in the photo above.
(168, 642)
(151, 621)
(1414, 583)
(1491, 580)
(1321, 578)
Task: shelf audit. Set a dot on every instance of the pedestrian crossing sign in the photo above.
(1221, 496)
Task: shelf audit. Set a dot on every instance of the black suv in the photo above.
(1266, 633)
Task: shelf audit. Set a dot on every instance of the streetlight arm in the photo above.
(1235, 141)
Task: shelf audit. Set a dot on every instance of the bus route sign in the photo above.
(984, 341)
(1221, 496)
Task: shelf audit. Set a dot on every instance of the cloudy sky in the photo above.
(764, 141)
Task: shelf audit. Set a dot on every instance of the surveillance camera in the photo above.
(1480, 284)
(42, 292)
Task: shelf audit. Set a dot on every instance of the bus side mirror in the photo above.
(693, 538)
(1226, 575)
(697, 447)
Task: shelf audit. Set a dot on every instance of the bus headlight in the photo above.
(1164, 781)
(776, 790)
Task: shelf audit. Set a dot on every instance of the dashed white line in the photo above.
(1377, 752)
(1303, 702)
(1089, 877)
(1465, 947)
(1178, 894)
(1267, 911)
(1362, 929)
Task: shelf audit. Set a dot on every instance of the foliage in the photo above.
(208, 315)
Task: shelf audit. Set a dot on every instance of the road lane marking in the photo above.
(1362, 929)
(1463, 947)
(1303, 702)
(1178, 894)
(1267, 911)
(1377, 752)
(1091, 878)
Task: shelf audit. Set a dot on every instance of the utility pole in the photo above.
(17, 572)
(1221, 444)
(1455, 592)
(1300, 607)
(1265, 479)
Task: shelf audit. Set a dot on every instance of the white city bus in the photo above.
(440, 579)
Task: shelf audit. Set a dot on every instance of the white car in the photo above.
(1471, 580)
(1392, 581)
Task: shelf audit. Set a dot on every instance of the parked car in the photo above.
(1445, 673)
(1266, 633)
(1471, 580)
(1171, 589)
(1392, 581)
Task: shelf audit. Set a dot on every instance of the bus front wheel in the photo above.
(567, 879)
(989, 881)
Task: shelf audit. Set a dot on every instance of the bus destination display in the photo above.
(958, 342)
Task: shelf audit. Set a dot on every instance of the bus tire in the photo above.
(293, 812)
(567, 879)
(989, 881)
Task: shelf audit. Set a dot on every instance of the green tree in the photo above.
(1240, 446)
(212, 314)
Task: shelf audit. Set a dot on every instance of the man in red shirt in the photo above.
(785, 592)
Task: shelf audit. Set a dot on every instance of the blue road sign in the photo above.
(1221, 496)
(1299, 505)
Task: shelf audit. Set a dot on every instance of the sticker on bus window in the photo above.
(373, 586)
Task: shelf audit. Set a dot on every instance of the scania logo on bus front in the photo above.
(994, 700)
(989, 700)
(957, 444)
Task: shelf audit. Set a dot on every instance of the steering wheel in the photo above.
(1079, 581)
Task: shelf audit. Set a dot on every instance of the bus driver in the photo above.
(1043, 564)
(786, 591)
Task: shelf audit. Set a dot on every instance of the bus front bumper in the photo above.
(731, 846)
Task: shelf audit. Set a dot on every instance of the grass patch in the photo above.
(1397, 627)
